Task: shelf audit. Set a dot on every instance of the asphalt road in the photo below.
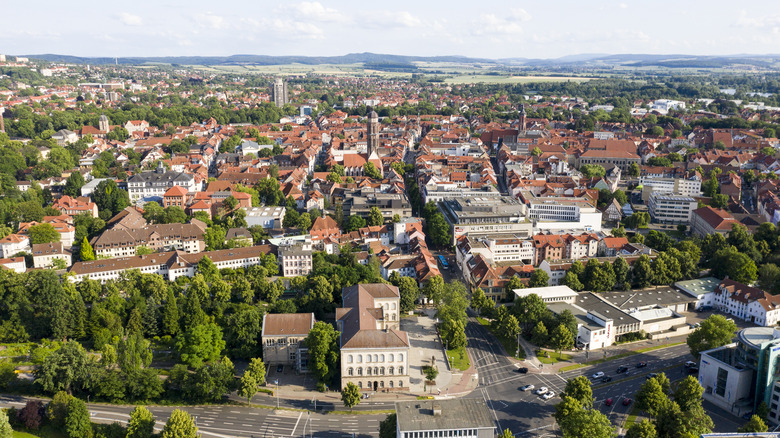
(240, 421)
(493, 366)
(526, 414)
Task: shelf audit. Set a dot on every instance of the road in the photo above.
(527, 415)
(493, 366)
(241, 421)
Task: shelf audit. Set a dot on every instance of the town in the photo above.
(380, 255)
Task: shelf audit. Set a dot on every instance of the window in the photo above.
(720, 385)
(376, 371)
(401, 357)
(382, 384)
(349, 371)
(360, 371)
(360, 358)
(376, 358)
(368, 358)
(390, 371)
(382, 358)
(391, 383)
(382, 371)
(368, 371)
(349, 359)
(400, 370)
(360, 385)
(390, 359)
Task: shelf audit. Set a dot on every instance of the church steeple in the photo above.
(373, 133)
(522, 117)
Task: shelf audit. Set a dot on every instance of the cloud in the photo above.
(315, 11)
(297, 29)
(757, 22)
(383, 19)
(623, 6)
(211, 21)
(130, 19)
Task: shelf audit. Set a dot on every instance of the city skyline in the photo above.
(493, 29)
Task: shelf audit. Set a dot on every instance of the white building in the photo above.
(703, 289)
(295, 257)
(15, 264)
(747, 303)
(457, 417)
(677, 186)
(266, 217)
(374, 352)
(44, 255)
(13, 244)
(549, 294)
(671, 209)
(156, 183)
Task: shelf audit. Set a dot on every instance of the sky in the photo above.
(484, 29)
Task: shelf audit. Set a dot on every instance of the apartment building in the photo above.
(163, 237)
(295, 257)
(671, 209)
(44, 255)
(156, 183)
(708, 220)
(282, 337)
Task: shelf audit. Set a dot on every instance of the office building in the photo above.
(459, 417)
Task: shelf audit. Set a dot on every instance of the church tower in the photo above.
(373, 133)
(103, 124)
(522, 118)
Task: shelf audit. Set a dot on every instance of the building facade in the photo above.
(156, 183)
(282, 337)
(671, 209)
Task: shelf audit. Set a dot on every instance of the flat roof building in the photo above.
(459, 417)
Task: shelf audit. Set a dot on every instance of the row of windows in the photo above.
(441, 433)
(375, 358)
(380, 384)
(376, 371)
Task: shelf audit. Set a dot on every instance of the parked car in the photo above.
(622, 370)
(651, 375)
(689, 364)
(527, 387)
(548, 395)
(693, 369)
(641, 364)
(523, 370)
(626, 401)
(606, 379)
(608, 402)
(541, 390)
(598, 375)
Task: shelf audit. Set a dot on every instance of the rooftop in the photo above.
(662, 296)
(459, 413)
(699, 286)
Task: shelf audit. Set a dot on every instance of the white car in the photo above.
(598, 375)
(548, 395)
(527, 388)
(541, 390)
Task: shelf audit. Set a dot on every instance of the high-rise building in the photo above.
(279, 92)
(373, 133)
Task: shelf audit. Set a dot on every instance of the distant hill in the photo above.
(352, 58)
(404, 63)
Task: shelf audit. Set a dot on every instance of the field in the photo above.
(494, 79)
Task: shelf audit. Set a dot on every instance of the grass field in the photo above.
(508, 79)
(459, 359)
(554, 357)
(18, 434)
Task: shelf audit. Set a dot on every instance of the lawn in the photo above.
(459, 359)
(632, 417)
(18, 434)
(509, 344)
(554, 357)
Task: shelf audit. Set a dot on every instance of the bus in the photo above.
(443, 262)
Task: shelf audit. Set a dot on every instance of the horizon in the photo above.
(494, 29)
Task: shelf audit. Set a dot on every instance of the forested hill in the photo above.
(352, 58)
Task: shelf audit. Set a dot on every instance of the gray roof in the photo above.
(459, 413)
(660, 296)
(698, 286)
(592, 303)
(157, 176)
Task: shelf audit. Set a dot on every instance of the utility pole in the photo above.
(277, 393)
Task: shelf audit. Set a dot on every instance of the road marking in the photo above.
(296, 424)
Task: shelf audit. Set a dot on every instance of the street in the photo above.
(241, 421)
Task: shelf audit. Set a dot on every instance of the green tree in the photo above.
(257, 369)
(134, 353)
(322, 342)
(579, 389)
(715, 331)
(688, 393)
(388, 426)
(304, 222)
(6, 431)
(643, 429)
(57, 409)
(622, 270)
(247, 388)
(539, 278)
(642, 272)
(77, 419)
(350, 395)
(754, 425)
(43, 233)
(371, 171)
(633, 170)
(719, 201)
(439, 231)
(85, 251)
(179, 425)
(651, 396)
(65, 369)
(200, 344)
(509, 289)
(141, 423)
(571, 280)
(672, 422)
(375, 217)
(208, 269)
(74, 184)
(561, 338)
(592, 170)
(355, 223)
(409, 291)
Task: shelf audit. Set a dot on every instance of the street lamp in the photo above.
(277, 393)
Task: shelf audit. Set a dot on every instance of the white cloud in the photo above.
(491, 24)
(757, 22)
(519, 14)
(211, 21)
(315, 11)
(623, 6)
(388, 20)
(130, 19)
(297, 29)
